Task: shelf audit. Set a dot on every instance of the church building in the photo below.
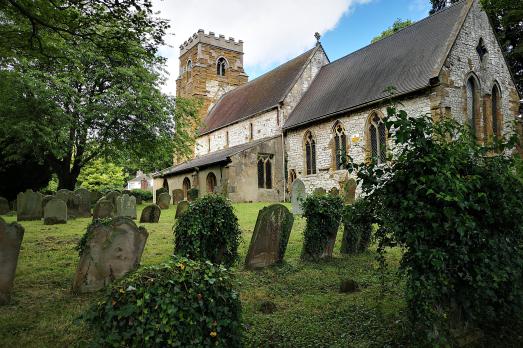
(300, 119)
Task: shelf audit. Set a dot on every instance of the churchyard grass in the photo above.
(310, 311)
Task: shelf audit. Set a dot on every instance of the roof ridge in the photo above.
(399, 31)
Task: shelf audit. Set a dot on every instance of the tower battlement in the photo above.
(211, 39)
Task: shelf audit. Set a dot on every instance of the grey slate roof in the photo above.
(406, 60)
(220, 156)
(256, 96)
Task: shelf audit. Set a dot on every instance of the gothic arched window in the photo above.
(472, 103)
(265, 171)
(186, 186)
(340, 145)
(211, 182)
(221, 66)
(497, 123)
(310, 153)
(377, 139)
(189, 65)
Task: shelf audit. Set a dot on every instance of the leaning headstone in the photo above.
(151, 214)
(270, 237)
(319, 191)
(103, 209)
(55, 212)
(177, 196)
(159, 192)
(29, 206)
(4, 206)
(349, 191)
(84, 208)
(334, 191)
(46, 200)
(11, 236)
(126, 206)
(109, 252)
(297, 196)
(164, 201)
(181, 209)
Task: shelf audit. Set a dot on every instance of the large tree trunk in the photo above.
(67, 175)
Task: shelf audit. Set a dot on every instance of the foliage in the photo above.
(82, 243)
(181, 303)
(143, 194)
(101, 176)
(193, 193)
(323, 214)
(209, 230)
(455, 209)
(358, 220)
(98, 98)
(396, 26)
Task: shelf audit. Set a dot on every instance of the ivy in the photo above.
(83, 243)
(209, 230)
(358, 220)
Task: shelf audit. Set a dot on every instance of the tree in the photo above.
(91, 101)
(398, 25)
(101, 176)
(506, 18)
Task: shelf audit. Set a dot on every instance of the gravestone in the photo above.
(126, 192)
(159, 192)
(4, 206)
(72, 200)
(111, 197)
(297, 196)
(334, 191)
(11, 236)
(46, 200)
(126, 206)
(95, 197)
(193, 194)
(29, 206)
(138, 198)
(84, 208)
(151, 214)
(349, 191)
(164, 201)
(270, 237)
(103, 209)
(181, 209)
(55, 212)
(177, 196)
(319, 191)
(111, 251)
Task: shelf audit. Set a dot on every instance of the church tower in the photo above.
(209, 67)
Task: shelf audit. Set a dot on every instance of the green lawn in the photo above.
(310, 312)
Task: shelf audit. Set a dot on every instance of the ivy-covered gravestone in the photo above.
(108, 251)
(55, 212)
(11, 236)
(193, 194)
(349, 191)
(270, 237)
(319, 191)
(159, 192)
(151, 214)
(126, 206)
(181, 209)
(103, 209)
(164, 201)
(29, 206)
(4, 206)
(297, 196)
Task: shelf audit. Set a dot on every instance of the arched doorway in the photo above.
(186, 187)
(211, 182)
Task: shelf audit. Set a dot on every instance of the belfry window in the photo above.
(265, 171)
(378, 139)
(340, 146)
(221, 66)
(310, 153)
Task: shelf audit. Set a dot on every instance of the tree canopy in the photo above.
(396, 26)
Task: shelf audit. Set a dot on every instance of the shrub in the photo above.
(358, 219)
(455, 209)
(181, 303)
(192, 194)
(143, 194)
(208, 230)
(323, 215)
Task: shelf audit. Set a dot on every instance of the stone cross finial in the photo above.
(317, 36)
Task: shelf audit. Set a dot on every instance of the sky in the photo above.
(274, 31)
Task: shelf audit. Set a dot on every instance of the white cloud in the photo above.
(272, 30)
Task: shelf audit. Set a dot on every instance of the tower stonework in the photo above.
(209, 67)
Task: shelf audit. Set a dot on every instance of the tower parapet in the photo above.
(211, 39)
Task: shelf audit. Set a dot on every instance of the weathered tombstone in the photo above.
(111, 197)
(164, 201)
(297, 196)
(159, 192)
(334, 191)
(72, 200)
(193, 194)
(46, 200)
(109, 253)
(11, 236)
(55, 212)
(4, 206)
(349, 191)
(84, 208)
(177, 196)
(126, 206)
(319, 191)
(181, 209)
(95, 197)
(29, 206)
(103, 209)
(151, 214)
(126, 192)
(270, 237)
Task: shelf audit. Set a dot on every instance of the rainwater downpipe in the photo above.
(283, 153)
